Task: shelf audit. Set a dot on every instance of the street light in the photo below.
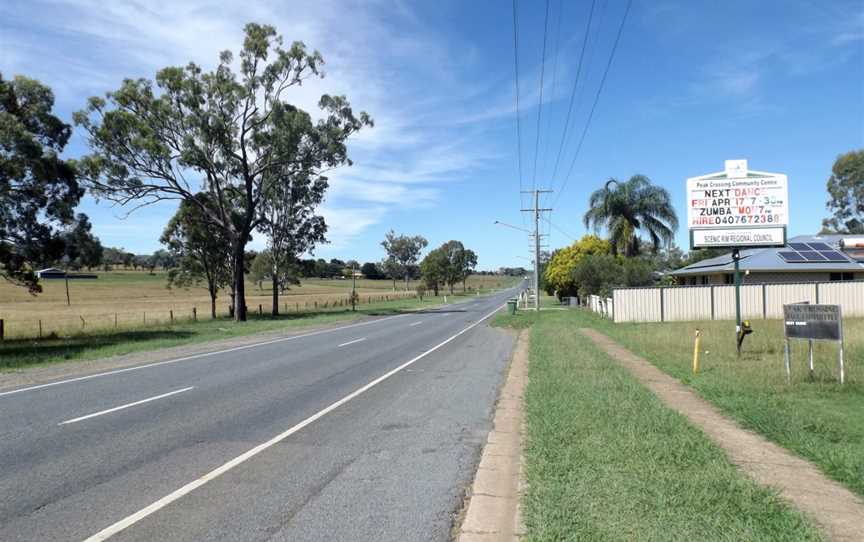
(512, 226)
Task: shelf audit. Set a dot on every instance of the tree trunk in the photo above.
(275, 310)
(239, 285)
(394, 282)
(436, 289)
(406, 282)
(451, 288)
(213, 306)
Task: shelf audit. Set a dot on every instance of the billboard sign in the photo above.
(738, 207)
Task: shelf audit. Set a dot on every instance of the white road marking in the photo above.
(415, 323)
(194, 356)
(361, 339)
(121, 407)
(128, 521)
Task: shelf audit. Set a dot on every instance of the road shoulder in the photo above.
(493, 510)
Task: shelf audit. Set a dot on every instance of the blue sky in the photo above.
(780, 83)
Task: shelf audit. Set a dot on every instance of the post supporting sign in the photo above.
(812, 323)
(737, 208)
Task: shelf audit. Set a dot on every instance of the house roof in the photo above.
(768, 260)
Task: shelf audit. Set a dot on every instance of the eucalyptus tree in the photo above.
(467, 263)
(625, 209)
(403, 251)
(289, 221)
(229, 134)
(38, 189)
(202, 253)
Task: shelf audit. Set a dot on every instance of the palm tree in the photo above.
(625, 209)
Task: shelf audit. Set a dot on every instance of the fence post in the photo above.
(145, 318)
(194, 314)
(662, 306)
(115, 320)
(171, 315)
(712, 301)
(817, 293)
(83, 322)
(296, 307)
(260, 309)
(40, 328)
(764, 301)
(1, 329)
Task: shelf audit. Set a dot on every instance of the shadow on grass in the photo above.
(21, 352)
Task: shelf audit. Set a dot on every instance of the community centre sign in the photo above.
(737, 208)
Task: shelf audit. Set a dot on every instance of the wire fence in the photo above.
(59, 325)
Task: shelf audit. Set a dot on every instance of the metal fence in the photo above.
(717, 302)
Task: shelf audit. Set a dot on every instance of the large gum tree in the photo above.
(228, 134)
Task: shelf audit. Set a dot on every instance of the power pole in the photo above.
(537, 235)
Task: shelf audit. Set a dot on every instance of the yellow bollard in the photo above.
(696, 353)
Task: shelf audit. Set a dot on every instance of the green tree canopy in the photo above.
(229, 134)
(625, 209)
(38, 189)
(558, 274)
(846, 194)
(202, 253)
(403, 251)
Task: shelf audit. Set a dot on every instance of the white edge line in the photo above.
(361, 339)
(194, 356)
(128, 521)
(121, 407)
(415, 323)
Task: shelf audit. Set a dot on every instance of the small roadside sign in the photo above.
(812, 323)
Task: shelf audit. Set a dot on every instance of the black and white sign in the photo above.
(817, 322)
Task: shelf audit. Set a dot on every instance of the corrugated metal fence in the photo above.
(684, 303)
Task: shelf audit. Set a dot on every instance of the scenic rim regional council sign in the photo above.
(737, 207)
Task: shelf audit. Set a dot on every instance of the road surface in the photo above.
(368, 431)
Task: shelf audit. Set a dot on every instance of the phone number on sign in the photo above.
(735, 219)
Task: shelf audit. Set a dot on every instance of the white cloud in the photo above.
(379, 54)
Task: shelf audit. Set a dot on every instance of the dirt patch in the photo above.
(836, 509)
(493, 512)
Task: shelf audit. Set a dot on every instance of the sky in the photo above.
(690, 84)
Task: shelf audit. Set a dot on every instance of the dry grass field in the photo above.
(136, 298)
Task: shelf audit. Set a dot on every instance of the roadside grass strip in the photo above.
(815, 416)
(605, 460)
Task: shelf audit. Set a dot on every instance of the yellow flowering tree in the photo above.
(559, 270)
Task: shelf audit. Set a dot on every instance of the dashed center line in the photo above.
(121, 407)
(415, 323)
(352, 342)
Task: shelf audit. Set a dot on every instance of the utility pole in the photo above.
(537, 235)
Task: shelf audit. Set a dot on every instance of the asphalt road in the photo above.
(362, 432)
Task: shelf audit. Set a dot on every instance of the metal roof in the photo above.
(768, 260)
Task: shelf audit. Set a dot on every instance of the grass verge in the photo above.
(605, 460)
(21, 353)
(815, 416)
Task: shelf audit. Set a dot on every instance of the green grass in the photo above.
(21, 353)
(605, 460)
(815, 417)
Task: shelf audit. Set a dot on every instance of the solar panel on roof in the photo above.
(833, 256)
(813, 256)
(799, 246)
(791, 256)
(820, 246)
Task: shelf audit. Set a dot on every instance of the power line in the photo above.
(554, 78)
(518, 114)
(560, 229)
(540, 105)
(575, 84)
(596, 99)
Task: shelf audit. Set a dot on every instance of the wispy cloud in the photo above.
(377, 53)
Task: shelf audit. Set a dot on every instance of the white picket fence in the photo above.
(765, 301)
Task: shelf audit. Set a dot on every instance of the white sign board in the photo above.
(738, 237)
(736, 205)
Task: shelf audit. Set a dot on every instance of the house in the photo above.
(805, 258)
(51, 273)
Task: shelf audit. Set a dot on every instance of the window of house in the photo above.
(704, 279)
(842, 276)
(729, 278)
